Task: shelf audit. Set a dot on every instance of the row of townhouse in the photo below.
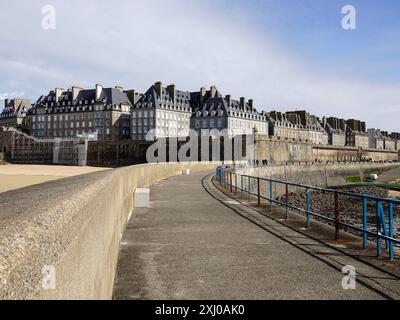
(168, 112)
(118, 114)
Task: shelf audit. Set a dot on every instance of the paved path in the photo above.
(192, 245)
(390, 176)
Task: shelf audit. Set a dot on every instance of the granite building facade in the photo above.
(164, 111)
(104, 112)
(336, 130)
(356, 134)
(14, 113)
(214, 113)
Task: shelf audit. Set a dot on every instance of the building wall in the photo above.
(338, 139)
(163, 122)
(361, 141)
(110, 125)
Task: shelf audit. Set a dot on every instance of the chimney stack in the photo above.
(228, 99)
(203, 92)
(99, 90)
(58, 92)
(75, 92)
(131, 94)
(213, 91)
(172, 92)
(251, 103)
(158, 87)
(243, 102)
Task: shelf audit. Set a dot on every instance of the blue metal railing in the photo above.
(383, 232)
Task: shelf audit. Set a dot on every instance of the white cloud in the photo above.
(135, 43)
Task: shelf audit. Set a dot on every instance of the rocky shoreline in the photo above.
(350, 207)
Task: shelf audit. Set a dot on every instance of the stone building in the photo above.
(14, 113)
(336, 129)
(396, 137)
(389, 143)
(104, 112)
(309, 126)
(356, 134)
(375, 139)
(212, 111)
(163, 110)
(280, 126)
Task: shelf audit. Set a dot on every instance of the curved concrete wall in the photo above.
(74, 226)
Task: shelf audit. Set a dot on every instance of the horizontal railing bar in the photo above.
(306, 187)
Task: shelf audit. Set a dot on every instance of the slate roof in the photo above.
(152, 99)
(234, 109)
(13, 110)
(108, 97)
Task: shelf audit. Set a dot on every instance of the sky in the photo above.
(284, 54)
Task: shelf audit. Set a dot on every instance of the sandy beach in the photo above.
(18, 176)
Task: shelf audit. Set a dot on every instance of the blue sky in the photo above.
(311, 28)
(285, 54)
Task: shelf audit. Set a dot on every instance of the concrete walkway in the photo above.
(193, 245)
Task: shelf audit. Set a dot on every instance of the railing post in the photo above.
(231, 182)
(258, 192)
(287, 200)
(365, 222)
(337, 215)
(236, 183)
(308, 208)
(378, 228)
(391, 234)
(225, 178)
(241, 186)
(270, 194)
(249, 189)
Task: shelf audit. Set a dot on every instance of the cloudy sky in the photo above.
(285, 54)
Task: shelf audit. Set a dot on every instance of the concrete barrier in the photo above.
(69, 231)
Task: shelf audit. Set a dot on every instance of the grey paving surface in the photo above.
(389, 176)
(191, 245)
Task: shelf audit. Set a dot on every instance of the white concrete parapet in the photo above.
(142, 198)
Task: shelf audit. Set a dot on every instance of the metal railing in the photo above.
(251, 187)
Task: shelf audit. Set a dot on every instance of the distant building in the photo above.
(375, 139)
(309, 125)
(165, 111)
(14, 113)
(280, 126)
(388, 142)
(211, 111)
(78, 111)
(356, 134)
(336, 129)
(396, 137)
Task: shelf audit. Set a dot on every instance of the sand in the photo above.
(18, 176)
